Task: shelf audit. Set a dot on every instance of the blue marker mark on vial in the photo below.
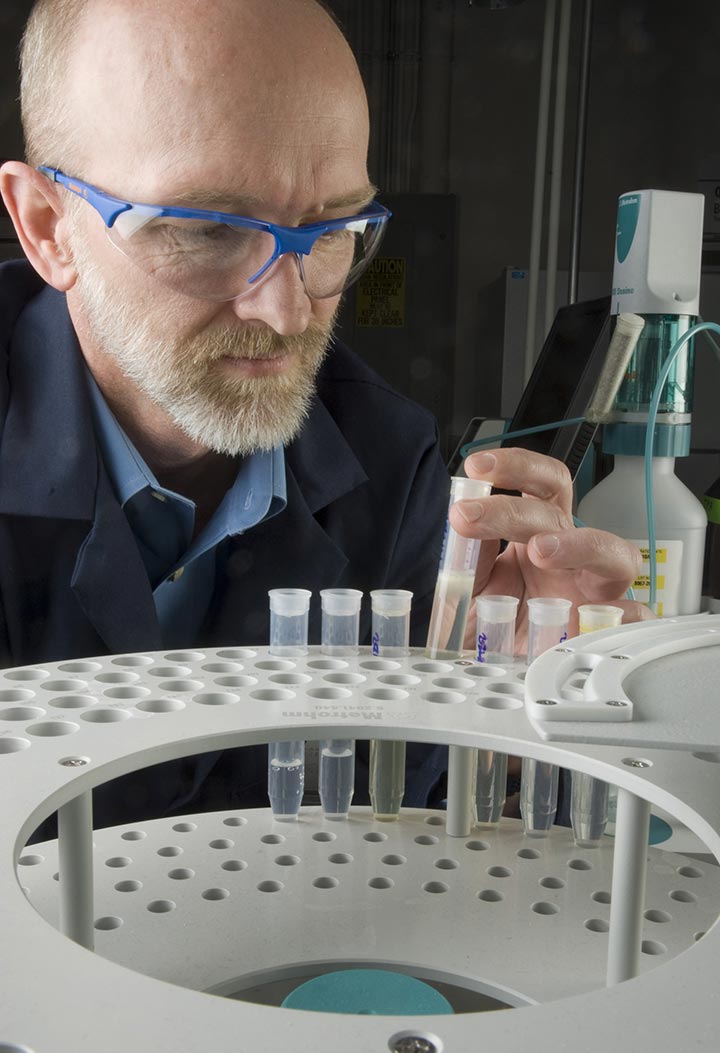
(376, 643)
(481, 646)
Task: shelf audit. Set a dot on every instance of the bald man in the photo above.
(181, 432)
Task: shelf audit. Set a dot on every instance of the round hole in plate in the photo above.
(380, 882)
(443, 697)
(435, 887)
(543, 907)
(131, 660)
(270, 886)
(326, 882)
(327, 663)
(490, 895)
(215, 893)
(7, 1047)
(181, 874)
(325, 835)
(13, 744)
(579, 864)
(118, 861)
(653, 947)
(184, 656)
(484, 671)
(290, 678)
(133, 835)
(660, 917)
(170, 850)
(340, 857)
(185, 828)
(237, 654)
(272, 694)
(79, 667)
(506, 688)
(21, 713)
(447, 864)
(433, 667)
(394, 860)
(105, 716)
(455, 683)
(174, 684)
(434, 820)
(527, 853)
(63, 685)
(52, 728)
(107, 923)
(272, 839)
(129, 691)
(551, 882)
(690, 872)
(681, 896)
(386, 694)
(499, 702)
(17, 694)
(233, 864)
(380, 665)
(711, 758)
(601, 897)
(216, 698)
(26, 674)
(328, 693)
(72, 702)
(235, 820)
(236, 681)
(348, 679)
(117, 678)
(597, 925)
(221, 843)
(477, 846)
(287, 860)
(128, 886)
(30, 861)
(160, 705)
(500, 872)
(161, 906)
(275, 664)
(222, 667)
(375, 836)
(168, 671)
(399, 679)
(696, 936)
(427, 839)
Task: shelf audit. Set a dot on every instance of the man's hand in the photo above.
(546, 554)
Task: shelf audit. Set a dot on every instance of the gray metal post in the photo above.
(75, 852)
(580, 143)
(628, 887)
(461, 790)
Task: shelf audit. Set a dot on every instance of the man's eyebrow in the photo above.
(247, 204)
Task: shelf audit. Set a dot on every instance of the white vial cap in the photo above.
(497, 608)
(464, 489)
(340, 601)
(392, 602)
(290, 602)
(595, 616)
(549, 611)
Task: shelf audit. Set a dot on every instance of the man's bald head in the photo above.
(62, 39)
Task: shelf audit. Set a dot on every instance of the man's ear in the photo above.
(35, 207)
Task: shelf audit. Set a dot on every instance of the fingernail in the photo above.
(546, 544)
(483, 462)
(471, 511)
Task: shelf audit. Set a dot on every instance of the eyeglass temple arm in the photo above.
(108, 207)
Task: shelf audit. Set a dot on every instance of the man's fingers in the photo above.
(524, 470)
(511, 518)
(611, 560)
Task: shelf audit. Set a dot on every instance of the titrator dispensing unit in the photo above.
(124, 938)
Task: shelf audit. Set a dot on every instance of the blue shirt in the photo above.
(182, 571)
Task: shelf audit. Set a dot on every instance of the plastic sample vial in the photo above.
(340, 621)
(289, 621)
(390, 638)
(286, 778)
(496, 628)
(590, 800)
(456, 577)
(548, 623)
(391, 622)
(490, 787)
(337, 777)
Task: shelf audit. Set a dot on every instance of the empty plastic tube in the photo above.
(490, 787)
(390, 637)
(548, 624)
(496, 628)
(289, 621)
(589, 803)
(340, 621)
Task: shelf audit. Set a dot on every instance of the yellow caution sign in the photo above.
(380, 297)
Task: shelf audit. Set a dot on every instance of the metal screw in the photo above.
(413, 1044)
(621, 657)
(563, 650)
(73, 762)
(616, 703)
(463, 661)
(637, 764)
(546, 702)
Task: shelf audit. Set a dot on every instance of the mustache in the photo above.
(262, 343)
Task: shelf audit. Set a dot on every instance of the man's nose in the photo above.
(279, 300)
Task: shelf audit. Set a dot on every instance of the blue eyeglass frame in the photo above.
(298, 240)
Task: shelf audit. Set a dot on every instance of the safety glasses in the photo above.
(219, 256)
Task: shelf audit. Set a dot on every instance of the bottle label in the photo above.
(668, 565)
(712, 507)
